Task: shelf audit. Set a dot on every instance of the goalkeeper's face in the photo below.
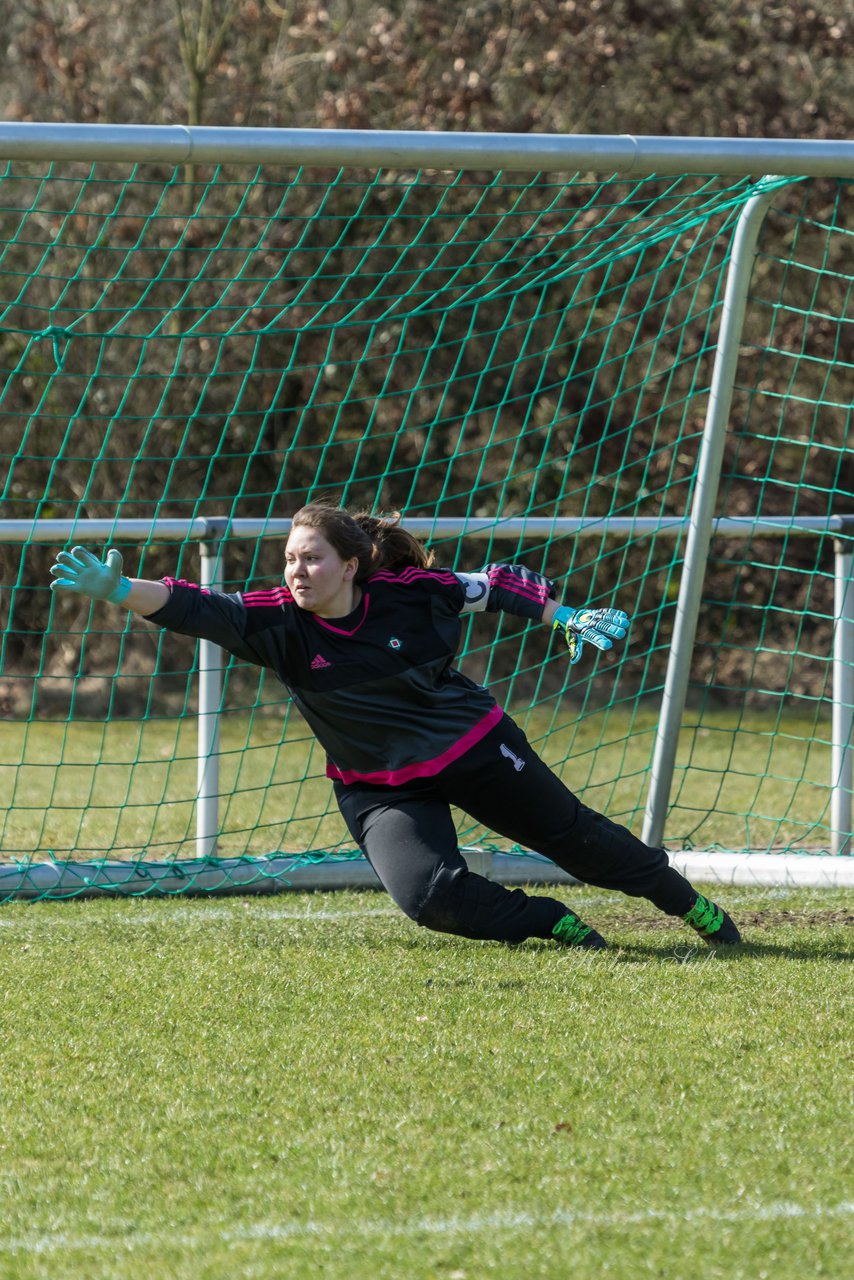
(319, 580)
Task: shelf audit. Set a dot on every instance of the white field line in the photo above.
(206, 913)
(260, 908)
(458, 1226)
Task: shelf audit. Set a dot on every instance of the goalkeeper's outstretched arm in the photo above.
(550, 608)
(145, 596)
(81, 572)
(518, 590)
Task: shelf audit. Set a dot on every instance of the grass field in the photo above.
(309, 1085)
(743, 780)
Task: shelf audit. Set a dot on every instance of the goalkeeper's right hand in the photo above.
(80, 571)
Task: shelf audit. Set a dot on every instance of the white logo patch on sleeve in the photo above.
(476, 586)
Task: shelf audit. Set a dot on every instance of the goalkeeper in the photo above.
(363, 635)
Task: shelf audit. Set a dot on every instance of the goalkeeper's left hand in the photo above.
(600, 627)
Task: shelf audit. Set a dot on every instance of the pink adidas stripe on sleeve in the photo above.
(274, 598)
(413, 575)
(507, 580)
(182, 582)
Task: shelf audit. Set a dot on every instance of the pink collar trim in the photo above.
(345, 631)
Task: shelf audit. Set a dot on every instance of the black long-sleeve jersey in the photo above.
(378, 688)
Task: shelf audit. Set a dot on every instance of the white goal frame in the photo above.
(608, 155)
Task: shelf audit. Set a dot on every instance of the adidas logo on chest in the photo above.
(319, 663)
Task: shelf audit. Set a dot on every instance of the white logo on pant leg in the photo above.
(518, 763)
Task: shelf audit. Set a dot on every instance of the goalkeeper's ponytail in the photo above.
(377, 542)
(394, 548)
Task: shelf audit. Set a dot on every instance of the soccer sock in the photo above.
(672, 893)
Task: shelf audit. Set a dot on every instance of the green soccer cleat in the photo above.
(712, 923)
(570, 931)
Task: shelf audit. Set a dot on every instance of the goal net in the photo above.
(521, 366)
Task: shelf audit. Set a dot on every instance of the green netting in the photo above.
(453, 346)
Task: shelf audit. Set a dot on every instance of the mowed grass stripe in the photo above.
(224, 1090)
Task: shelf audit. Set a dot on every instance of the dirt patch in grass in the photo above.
(772, 919)
(750, 919)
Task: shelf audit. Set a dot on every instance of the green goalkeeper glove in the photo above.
(600, 627)
(80, 571)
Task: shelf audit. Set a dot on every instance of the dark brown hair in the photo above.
(377, 542)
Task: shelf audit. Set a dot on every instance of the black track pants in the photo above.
(408, 836)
